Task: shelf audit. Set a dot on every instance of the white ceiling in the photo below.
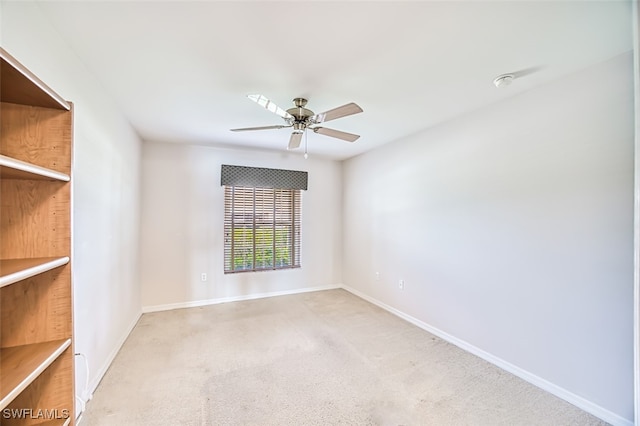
(181, 71)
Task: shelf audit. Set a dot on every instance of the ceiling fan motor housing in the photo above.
(299, 112)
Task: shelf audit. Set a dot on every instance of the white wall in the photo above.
(106, 191)
(635, 11)
(183, 214)
(513, 229)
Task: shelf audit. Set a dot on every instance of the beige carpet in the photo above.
(318, 358)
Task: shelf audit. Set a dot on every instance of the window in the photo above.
(261, 228)
(261, 217)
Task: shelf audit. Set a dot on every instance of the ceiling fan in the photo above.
(301, 119)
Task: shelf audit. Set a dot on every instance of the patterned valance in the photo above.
(258, 177)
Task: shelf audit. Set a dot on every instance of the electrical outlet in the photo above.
(401, 284)
(203, 277)
(377, 276)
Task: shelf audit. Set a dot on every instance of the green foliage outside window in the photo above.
(243, 256)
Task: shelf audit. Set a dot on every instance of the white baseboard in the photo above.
(93, 384)
(197, 303)
(586, 405)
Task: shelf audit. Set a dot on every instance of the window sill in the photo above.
(241, 271)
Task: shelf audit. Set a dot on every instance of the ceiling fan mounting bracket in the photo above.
(299, 102)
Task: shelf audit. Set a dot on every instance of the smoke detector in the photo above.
(503, 80)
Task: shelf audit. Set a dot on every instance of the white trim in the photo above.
(635, 16)
(93, 384)
(206, 302)
(588, 406)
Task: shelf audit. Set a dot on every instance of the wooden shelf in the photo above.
(10, 168)
(21, 365)
(57, 422)
(19, 86)
(14, 270)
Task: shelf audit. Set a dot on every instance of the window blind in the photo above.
(261, 228)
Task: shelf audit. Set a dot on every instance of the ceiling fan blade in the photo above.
(332, 114)
(295, 140)
(349, 137)
(266, 103)
(244, 129)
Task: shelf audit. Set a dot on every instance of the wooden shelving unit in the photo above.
(36, 322)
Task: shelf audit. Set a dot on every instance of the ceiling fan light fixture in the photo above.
(298, 127)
